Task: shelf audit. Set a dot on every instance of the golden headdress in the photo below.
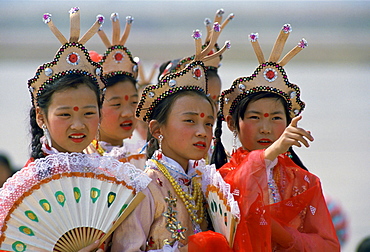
(118, 59)
(71, 58)
(191, 77)
(269, 76)
(210, 45)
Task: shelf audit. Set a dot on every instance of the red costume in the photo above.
(302, 210)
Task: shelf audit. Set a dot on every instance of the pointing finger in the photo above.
(295, 120)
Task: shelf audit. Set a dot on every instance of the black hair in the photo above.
(219, 157)
(162, 111)
(6, 162)
(164, 66)
(111, 81)
(44, 100)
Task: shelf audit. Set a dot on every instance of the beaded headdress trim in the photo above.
(209, 47)
(72, 57)
(191, 77)
(118, 59)
(269, 76)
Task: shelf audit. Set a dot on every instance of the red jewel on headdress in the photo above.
(270, 74)
(197, 73)
(118, 56)
(73, 58)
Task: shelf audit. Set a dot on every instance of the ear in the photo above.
(230, 123)
(154, 128)
(40, 117)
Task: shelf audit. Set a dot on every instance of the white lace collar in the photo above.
(123, 151)
(175, 169)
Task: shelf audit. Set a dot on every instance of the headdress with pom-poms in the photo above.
(210, 45)
(72, 57)
(118, 59)
(269, 76)
(191, 77)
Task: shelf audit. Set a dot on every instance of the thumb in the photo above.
(294, 122)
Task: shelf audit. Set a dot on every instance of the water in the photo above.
(332, 74)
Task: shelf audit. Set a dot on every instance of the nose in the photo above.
(201, 131)
(127, 111)
(265, 127)
(77, 124)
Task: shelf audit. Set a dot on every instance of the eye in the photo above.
(116, 104)
(253, 117)
(277, 118)
(90, 113)
(210, 124)
(189, 120)
(64, 114)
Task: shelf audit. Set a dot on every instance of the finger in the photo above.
(311, 137)
(301, 132)
(295, 120)
(305, 134)
(296, 138)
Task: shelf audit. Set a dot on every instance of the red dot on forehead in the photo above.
(75, 108)
(266, 114)
(202, 115)
(126, 97)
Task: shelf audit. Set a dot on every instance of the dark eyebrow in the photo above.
(260, 113)
(85, 107)
(197, 114)
(117, 97)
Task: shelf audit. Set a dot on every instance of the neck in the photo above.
(113, 142)
(184, 163)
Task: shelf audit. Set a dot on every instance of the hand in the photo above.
(292, 135)
(280, 235)
(92, 247)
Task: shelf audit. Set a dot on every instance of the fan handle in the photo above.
(134, 202)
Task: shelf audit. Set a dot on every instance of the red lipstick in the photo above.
(126, 125)
(201, 145)
(77, 137)
(265, 141)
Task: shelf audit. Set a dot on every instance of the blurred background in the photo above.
(332, 72)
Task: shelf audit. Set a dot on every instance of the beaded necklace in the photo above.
(174, 169)
(197, 197)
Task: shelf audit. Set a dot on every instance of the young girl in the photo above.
(282, 205)
(66, 98)
(121, 97)
(180, 117)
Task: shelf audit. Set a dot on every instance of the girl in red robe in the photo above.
(282, 207)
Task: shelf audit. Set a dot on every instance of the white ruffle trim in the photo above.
(210, 176)
(60, 163)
